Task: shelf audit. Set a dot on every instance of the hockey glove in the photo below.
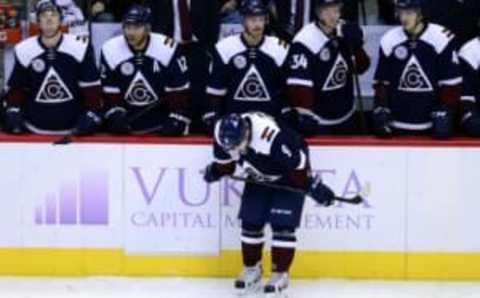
(321, 193)
(88, 123)
(471, 121)
(212, 174)
(117, 121)
(381, 122)
(351, 34)
(307, 125)
(442, 124)
(176, 125)
(14, 121)
(209, 120)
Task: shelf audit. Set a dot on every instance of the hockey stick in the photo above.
(363, 11)
(68, 139)
(354, 201)
(358, 91)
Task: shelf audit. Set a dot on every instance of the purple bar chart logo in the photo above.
(82, 202)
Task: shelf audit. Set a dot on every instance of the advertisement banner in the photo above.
(443, 201)
(350, 171)
(169, 209)
(342, 227)
(67, 196)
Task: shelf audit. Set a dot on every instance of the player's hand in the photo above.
(471, 120)
(88, 123)
(117, 121)
(14, 121)
(176, 125)
(212, 174)
(351, 34)
(321, 193)
(381, 122)
(209, 120)
(442, 124)
(307, 125)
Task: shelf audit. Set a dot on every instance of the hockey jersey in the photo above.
(470, 63)
(323, 63)
(414, 70)
(53, 80)
(135, 80)
(248, 78)
(273, 152)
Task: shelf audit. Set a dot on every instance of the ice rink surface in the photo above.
(222, 288)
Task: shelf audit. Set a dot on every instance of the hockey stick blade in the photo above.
(354, 201)
(65, 140)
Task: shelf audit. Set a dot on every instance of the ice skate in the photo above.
(249, 281)
(276, 286)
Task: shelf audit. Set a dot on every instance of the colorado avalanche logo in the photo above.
(337, 78)
(140, 93)
(53, 89)
(414, 79)
(252, 87)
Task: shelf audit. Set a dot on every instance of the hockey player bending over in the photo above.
(247, 69)
(266, 152)
(322, 61)
(418, 80)
(145, 73)
(470, 100)
(54, 87)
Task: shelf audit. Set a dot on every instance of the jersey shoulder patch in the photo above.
(312, 38)
(391, 39)
(74, 46)
(115, 51)
(470, 53)
(275, 48)
(229, 47)
(437, 36)
(264, 132)
(161, 48)
(27, 50)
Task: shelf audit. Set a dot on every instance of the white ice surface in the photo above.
(222, 288)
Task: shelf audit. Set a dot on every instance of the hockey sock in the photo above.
(252, 245)
(283, 250)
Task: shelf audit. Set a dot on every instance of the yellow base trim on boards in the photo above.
(307, 264)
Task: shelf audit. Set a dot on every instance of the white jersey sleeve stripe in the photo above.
(216, 92)
(451, 82)
(299, 82)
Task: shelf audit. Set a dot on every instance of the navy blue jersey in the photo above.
(141, 79)
(273, 152)
(53, 79)
(323, 63)
(248, 78)
(414, 71)
(470, 62)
